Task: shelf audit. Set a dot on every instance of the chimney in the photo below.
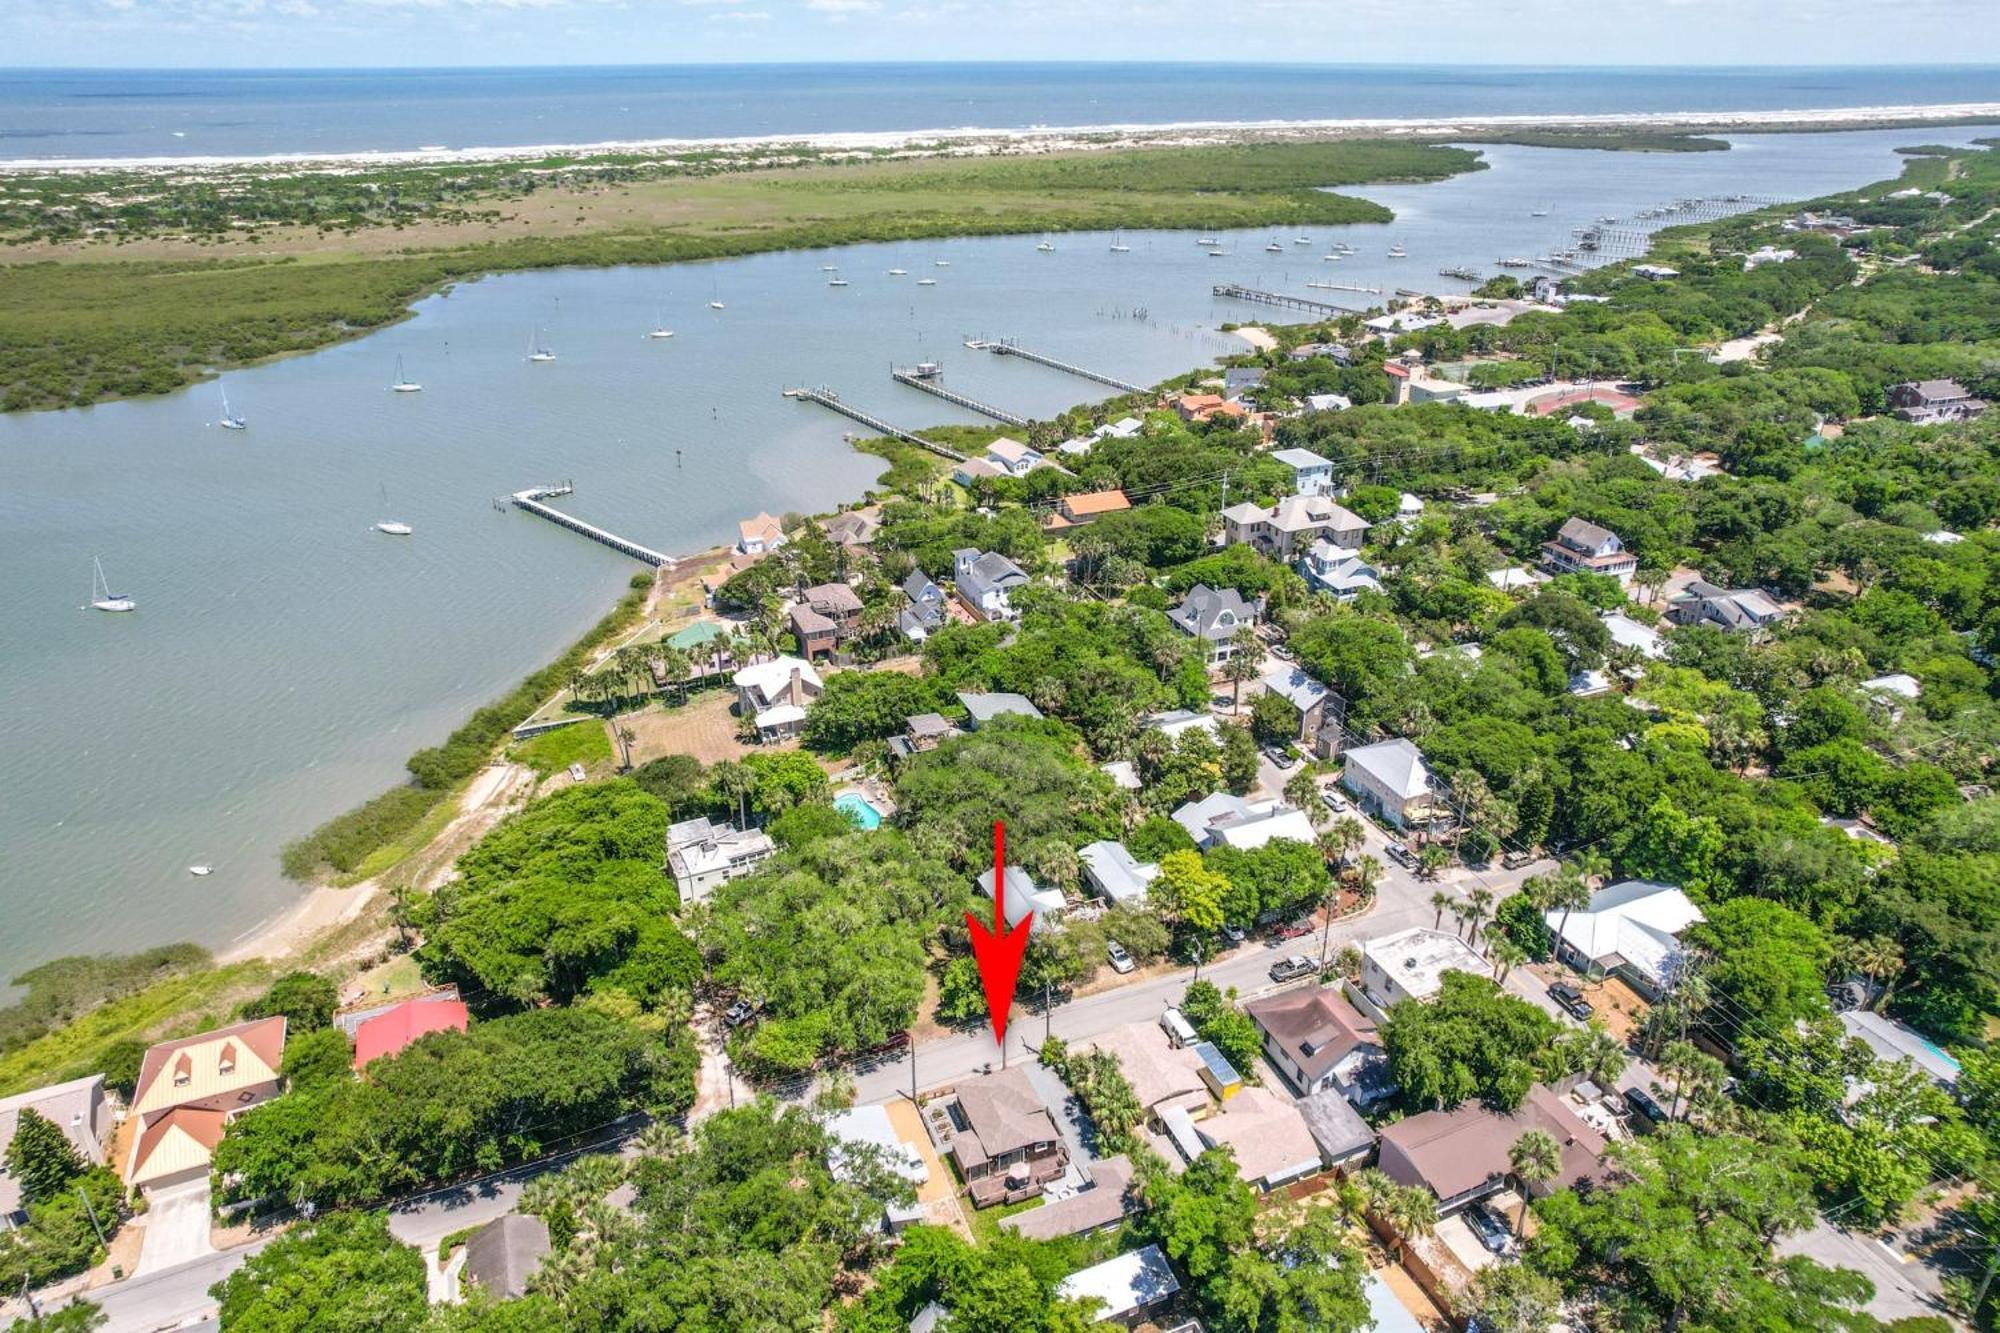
(795, 689)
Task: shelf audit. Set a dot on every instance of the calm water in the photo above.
(285, 658)
(121, 113)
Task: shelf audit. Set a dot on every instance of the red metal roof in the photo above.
(388, 1033)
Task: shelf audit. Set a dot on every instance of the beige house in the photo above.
(189, 1090)
(1391, 779)
(1287, 530)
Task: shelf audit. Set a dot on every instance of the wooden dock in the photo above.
(827, 398)
(531, 500)
(1325, 308)
(1007, 347)
(927, 380)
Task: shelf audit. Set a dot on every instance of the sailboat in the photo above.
(394, 527)
(1332, 257)
(404, 384)
(1397, 251)
(1206, 241)
(1047, 247)
(200, 870)
(230, 420)
(101, 596)
(660, 329)
(1274, 249)
(899, 272)
(926, 282)
(715, 295)
(1541, 212)
(538, 350)
(1118, 246)
(940, 263)
(836, 280)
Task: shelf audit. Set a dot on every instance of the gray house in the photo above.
(1742, 610)
(1213, 615)
(985, 579)
(925, 611)
(504, 1254)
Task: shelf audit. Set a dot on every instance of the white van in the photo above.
(1179, 1031)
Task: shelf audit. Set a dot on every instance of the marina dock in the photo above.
(531, 500)
(1007, 347)
(1325, 308)
(827, 398)
(925, 376)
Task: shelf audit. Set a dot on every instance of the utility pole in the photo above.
(1048, 1013)
(92, 1213)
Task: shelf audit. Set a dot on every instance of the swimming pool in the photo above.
(859, 809)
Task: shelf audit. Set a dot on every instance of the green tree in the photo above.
(40, 1157)
(1471, 1040)
(1514, 1298)
(1188, 892)
(305, 1000)
(1535, 1159)
(343, 1273)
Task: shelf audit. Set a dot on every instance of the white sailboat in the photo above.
(1332, 258)
(392, 526)
(836, 280)
(1541, 212)
(201, 870)
(538, 351)
(101, 596)
(1047, 247)
(403, 383)
(1274, 249)
(230, 420)
(940, 263)
(1118, 246)
(899, 273)
(1397, 251)
(926, 282)
(660, 329)
(715, 294)
(1206, 241)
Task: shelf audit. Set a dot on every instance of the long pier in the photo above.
(1345, 287)
(829, 399)
(926, 379)
(531, 500)
(1236, 293)
(1004, 347)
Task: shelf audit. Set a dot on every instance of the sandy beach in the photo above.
(1068, 138)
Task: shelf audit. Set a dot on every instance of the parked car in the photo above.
(1644, 1108)
(1333, 800)
(736, 1015)
(1294, 929)
(1401, 855)
(1515, 860)
(1571, 1001)
(1283, 654)
(1121, 961)
(1492, 1232)
(1291, 969)
(1280, 756)
(1234, 934)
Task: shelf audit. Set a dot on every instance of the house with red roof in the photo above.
(388, 1032)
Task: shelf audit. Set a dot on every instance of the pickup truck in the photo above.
(1291, 969)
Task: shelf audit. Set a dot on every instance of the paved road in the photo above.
(1905, 1285)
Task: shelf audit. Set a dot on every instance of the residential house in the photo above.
(1328, 402)
(1654, 272)
(1345, 1140)
(1115, 873)
(1767, 254)
(924, 610)
(1287, 529)
(1226, 820)
(1420, 386)
(78, 1108)
(1462, 1155)
(977, 469)
(1074, 511)
(870, 1129)
(396, 1028)
(1391, 779)
(1128, 1289)
(1311, 474)
(1333, 352)
(1109, 1196)
(1337, 570)
(1630, 930)
(1740, 610)
(1177, 722)
(854, 529)
(189, 1089)
(921, 732)
(1239, 380)
(984, 580)
(983, 708)
(1213, 616)
(504, 1254)
(1629, 633)
(703, 855)
(1929, 401)
(1516, 579)
(1271, 1141)
(826, 617)
(1123, 774)
(1884, 1036)
(1410, 965)
(1025, 898)
(1163, 1076)
(1320, 1041)
(775, 695)
(1194, 407)
(1013, 457)
(1124, 428)
(351, 1019)
(1582, 547)
(760, 535)
(1002, 1137)
(1316, 705)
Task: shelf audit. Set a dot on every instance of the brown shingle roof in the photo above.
(1316, 1026)
(1458, 1150)
(1111, 1196)
(1005, 1113)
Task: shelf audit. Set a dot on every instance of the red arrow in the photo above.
(999, 951)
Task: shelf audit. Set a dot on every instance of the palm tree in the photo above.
(1535, 1159)
(735, 781)
(1330, 845)
(1478, 907)
(1569, 891)
(1413, 1211)
(1677, 1062)
(1507, 955)
(1880, 959)
(1351, 834)
(1367, 874)
(1593, 866)
(1246, 660)
(1347, 962)
(1432, 860)
(1596, 1054)
(1302, 790)
(625, 737)
(1444, 902)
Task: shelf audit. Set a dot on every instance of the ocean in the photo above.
(133, 113)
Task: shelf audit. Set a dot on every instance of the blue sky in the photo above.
(295, 33)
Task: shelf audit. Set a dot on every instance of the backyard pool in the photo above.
(859, 809)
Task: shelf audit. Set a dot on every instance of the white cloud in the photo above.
(843, 8)
(740, 16)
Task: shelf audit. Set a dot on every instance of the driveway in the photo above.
(176, 1227)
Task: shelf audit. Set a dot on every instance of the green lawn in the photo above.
(583, 743)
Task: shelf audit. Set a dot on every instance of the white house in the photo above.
(776, 693)
(1115, 873)
(1630, 930)
(1213, 616)
(1390, 778)
(1410, 965)
(1582, 547)
(759, 535)
(1225, 820)
(1339, 571)
(1286, 529)
(703, 856)
(1025, 897)
(1013, 457)
(1176, 722)
(1311, 474)
(1629, 633)
(985, 582)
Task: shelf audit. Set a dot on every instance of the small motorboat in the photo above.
(394, 528)
(926, 282)
(899, 273)
(198, 871)
(1274, 249)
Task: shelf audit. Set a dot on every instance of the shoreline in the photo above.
(1045, 138)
